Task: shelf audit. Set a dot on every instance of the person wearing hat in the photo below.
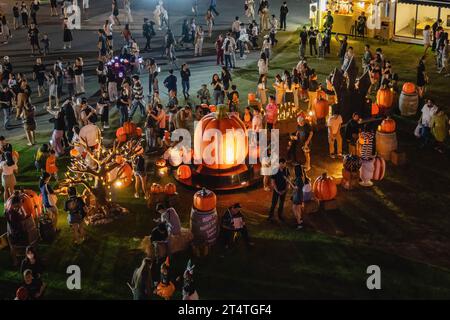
(233, 221)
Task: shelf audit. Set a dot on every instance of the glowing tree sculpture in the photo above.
(99, 170)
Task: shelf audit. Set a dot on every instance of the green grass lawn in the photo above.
(401, 225)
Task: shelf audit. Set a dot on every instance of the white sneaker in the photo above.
(29, 144)
(136, 195)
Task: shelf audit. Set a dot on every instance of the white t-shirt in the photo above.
(334, 122)
(427, 114)
(262, 67)
(257, 122)
(7, 170)
(86, 4)
(426, 37)
(91, 134)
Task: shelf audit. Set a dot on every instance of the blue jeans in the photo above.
(150, 84)
(185, 85)
(137, 104)
(425, 135)
(123, 112)
(218, 97)
(228, 63)
(6, 112)
(213, 9)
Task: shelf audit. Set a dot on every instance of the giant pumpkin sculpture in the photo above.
(35, 201)
(225, 151)
(27, 204)
(324, 188)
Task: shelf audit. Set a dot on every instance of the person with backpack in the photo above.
(76, 212)
(49, 199)
(140, 175)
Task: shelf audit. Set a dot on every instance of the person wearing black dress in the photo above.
(421, 77)
(67, 35)
(33, 36)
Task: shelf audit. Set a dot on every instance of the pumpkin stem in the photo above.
(221, 111)
(324, 175)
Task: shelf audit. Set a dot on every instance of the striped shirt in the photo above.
(367, 145)
(138, 91)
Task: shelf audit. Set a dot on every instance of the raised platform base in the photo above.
(239, 177)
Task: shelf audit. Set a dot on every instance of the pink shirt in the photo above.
(271, 113)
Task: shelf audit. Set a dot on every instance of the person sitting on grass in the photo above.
(34, 286)
(76, 211)
(232, 222)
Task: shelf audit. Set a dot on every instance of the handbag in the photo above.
(418, 130)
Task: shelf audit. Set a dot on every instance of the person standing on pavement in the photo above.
(303, 42)
(123, 104)
(115, 12)
(283, 16)
(219, 50)
(67, 35)
(79, 76)
(334, 134)
(212, 6)
(209, 18)
(108, 28)
(16, 15)
(198, 41)
(6, 98)
(138, 97)
(24, 14)
(312, 37)
(279, 183)
(148, 32)
(34, 8)
(33, 36)
(185, 74)
(39, 75)
(171, 82)
(152, 68)
(127, 8)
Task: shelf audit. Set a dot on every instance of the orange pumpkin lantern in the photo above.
(184, 172)
(228, 149)
(160, 163)
(205, 200)
(122, 175)
(36, 202)
(379, 168)
(212, 108)
(156, 188)
(324, 187)
(170, 189)
(120, 159)
(120, 135)
(387, 125)
(409, 88)
(74, 152)
(129, 128)
(385, 98)
(321, 107)
(165, 291)
(375, 109)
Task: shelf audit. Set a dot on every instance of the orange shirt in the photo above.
(50, 164)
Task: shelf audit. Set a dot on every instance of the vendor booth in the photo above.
(377, 15)
(412, 16)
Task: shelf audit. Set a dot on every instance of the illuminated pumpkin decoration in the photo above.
(409, 88)
(205, 200)
(385, 98)
(120, 159)
(121, 135)
(156, 188)
(233, 147)
(170, 189)
(375, 109)
(129, 128)
(212, 108)
(74, 152)
(324, 188)
(160, 163)
(139, 132)
(184, 172)
(165, 291)
(125, 173)
(387, 125)
(36, 202)
(27, 203)
(352, 163)
(379, 168)
(321, 107)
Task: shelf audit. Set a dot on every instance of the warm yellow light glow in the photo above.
(229, 154)
(118, 184)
